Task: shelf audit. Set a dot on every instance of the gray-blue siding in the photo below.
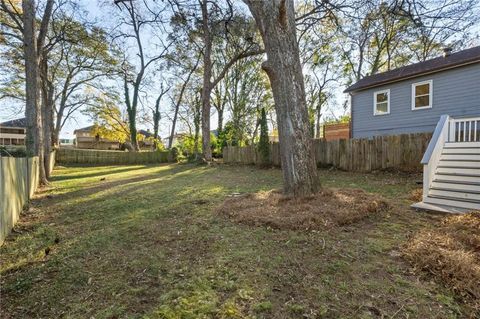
(456, 92)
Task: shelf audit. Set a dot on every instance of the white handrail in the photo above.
(434, 151)
(438, 134)
(465, 129)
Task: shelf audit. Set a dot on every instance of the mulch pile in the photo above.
(451, 253)
(328, 208)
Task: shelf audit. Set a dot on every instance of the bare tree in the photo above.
(156, 114)
(179, 99)
(136, 23)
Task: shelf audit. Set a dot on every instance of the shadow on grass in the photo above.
(58, 178)
(142, 244)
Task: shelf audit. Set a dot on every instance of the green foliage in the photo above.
(263, 144)
(13, 151)
(341, 119)
(186, 145)
(108, 119)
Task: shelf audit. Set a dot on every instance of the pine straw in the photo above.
(416, 195)
(451, 253)
(328, 208)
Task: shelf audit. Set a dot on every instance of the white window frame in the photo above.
(375, 113)
(430, 95)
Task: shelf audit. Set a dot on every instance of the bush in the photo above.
(13, 151)
(263, 144)
(173, 155)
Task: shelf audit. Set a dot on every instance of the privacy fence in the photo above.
(98, 157)
(19, 178)
(401, 152)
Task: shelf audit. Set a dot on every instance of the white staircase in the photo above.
(451, 174)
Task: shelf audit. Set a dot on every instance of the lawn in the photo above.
(146, 242)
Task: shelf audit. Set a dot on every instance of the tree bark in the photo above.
(32, 110)
(220, 120)
(207, 84)
(156, 121)
(47, 91)
(276, 22)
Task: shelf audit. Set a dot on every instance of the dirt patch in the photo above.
(451, 253)
(329, 208)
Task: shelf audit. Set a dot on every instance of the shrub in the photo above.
(263, 144)
(15, 151)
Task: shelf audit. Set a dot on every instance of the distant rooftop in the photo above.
(145, 133)
(84, 129)
(15, 123)
(449, 61)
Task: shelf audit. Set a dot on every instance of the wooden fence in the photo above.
(99, 157)
(19, 178)
(336, 131)
(400, 152)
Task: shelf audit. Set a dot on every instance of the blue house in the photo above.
(441, 96)
(412, 99)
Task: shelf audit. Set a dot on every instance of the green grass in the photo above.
(145, 242)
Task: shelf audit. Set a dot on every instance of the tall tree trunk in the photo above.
(220, 119)
(132, 122)
(33, 111)
(196, 134)
(132, 110)
(207, 84)
(318, 114)
(56, 130)
(276, 21)
(47, 91)
(156, 124)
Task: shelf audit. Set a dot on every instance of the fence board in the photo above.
(99, 157)
(401, 152)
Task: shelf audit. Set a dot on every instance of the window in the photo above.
(422, 95)
(381, 102)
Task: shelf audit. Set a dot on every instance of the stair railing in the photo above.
(465, 129)
(432, 155)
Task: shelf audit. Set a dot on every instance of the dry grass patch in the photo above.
(330, 207)
(451, 253)
(416, 195)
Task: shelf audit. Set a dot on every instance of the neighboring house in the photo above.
(411, 99)
(147, 143)
(177, 138)
(67, 142)
(13, 132)
(86, 140)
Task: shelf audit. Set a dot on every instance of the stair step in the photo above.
(470, 150)
(469, 188)
(454, 194)
(462, 144)
(443, 200)
(458, 171)
(440, 208)
(460, 157)
(459, 164)
(457, 179)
